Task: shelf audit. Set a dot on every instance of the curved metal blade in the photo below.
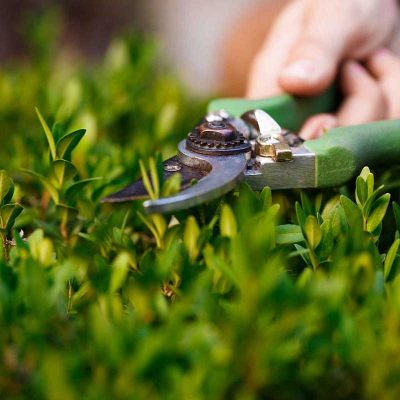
(137, 190)
(223, 174)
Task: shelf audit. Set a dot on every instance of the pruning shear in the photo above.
(254, 140)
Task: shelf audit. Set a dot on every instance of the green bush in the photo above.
(282, 296)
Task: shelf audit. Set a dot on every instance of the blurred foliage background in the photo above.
(256, 295)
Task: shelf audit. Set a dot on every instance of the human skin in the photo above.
(315, 42)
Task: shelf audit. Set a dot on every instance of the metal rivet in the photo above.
(172, 167)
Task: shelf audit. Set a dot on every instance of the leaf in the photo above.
(61, 172)
(172, 185)
(154, 174)
(49, 135)
(166, 119)
(119, 271)
(352, 212)
(8, 215)
(49, 187)
(68, 142)
(361, 191)
(390, 257)
(266, 198)
(396, 212)
(306, 203)
(301, 216)
(78, 186)
(312, 231)
(5, 184)
(146, 181)
(326, 245)
(289, 234)
(378, 212)
(191, 237)
(227, 222)
(371, 198)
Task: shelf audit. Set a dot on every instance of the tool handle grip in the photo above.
(289, 111)
(342, 152)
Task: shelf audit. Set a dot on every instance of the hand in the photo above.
(314, 41)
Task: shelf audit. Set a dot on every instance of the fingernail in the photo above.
(304, 70)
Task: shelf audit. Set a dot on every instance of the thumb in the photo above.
(326, 35)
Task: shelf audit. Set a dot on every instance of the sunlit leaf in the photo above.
(49, 135)
(378, 212)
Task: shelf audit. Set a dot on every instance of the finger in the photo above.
(364, 99)
(314, 61)
(263, 79)
(385, 66)
(315, 126)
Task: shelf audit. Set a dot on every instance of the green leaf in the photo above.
(390, 257)
(77, 187)
(166, 120)
(371, 199)
(68, 142)
(301, 216)
(361, 191)
(306, 204)
(146, 181)
(119, 271)
(43, 180)
(8, 215)
(191, 237)
(396, 212)
(289, 234)
(312, 231)
(378, 212)
(49, 135)
(352, 212)
(5, 184)
(172, 185)
(61, 171)
(154, 174)
(326, 245)
(266, 198)
(227, 222)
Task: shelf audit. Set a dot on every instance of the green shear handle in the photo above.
(339, 153)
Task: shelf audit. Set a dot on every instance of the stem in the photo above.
(6, 255)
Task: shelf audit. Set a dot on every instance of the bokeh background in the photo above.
(200, 39)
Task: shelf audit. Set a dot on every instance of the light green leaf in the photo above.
(49, 135)
(155, 180)
(312, 231)
(228, 226)
(77, 187)
(371, 199)
(352, 212)
(166, 120)
(61, 172)
(289, 234)
(49, 187)
(172, 185)
(191, 237)
(361, 191)
(120, 268)
(266, 198)
(326, 245)
(68, 142)
(390, 257)
(8, 215)
(5, 184)
(378, 212)
(146, 181)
